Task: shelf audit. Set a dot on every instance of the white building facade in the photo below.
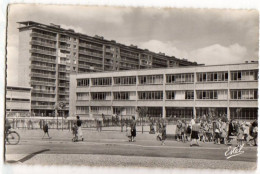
(181, 92)
(18, 101)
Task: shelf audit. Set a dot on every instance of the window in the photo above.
(249, 75)
(180, 78)
(150, 95)
(100, 96)
(170, 95)
(245, 94)
(82, 109)
(189, 95)
(212, 76)
(82, 96)
(121, 95)
(125, 80)
(212, 95)
(101, 81)
(83, 82)
(152, 79)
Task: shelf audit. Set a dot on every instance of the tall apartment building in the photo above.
(181, 92)
(48, 54)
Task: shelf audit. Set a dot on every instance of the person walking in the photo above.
(163, 133)
(79, 122)
(133, 129)
(46, 130)
(217, 132)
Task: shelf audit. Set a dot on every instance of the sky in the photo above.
(208, 36)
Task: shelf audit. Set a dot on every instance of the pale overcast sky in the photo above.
(208, 36)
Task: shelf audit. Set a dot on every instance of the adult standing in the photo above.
(79, 122)
(133, 129)
(195, 133)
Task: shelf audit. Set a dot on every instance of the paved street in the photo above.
(111, 148)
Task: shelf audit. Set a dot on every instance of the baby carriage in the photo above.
(128, 133)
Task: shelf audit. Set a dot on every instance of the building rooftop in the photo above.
(177, 67)
(18, 87)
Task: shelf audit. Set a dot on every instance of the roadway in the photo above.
(111, 148)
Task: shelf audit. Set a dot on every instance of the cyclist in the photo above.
(7, 126)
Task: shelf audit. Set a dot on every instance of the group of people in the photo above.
(218, 130)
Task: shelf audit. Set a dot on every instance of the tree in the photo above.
(142, 112)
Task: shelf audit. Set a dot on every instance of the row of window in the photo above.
(179, 112)
(250, 75)
(247, 94)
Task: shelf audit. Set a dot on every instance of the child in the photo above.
(128, 133)
(188, 132)
(75, 132)
(46, 130)
(240, 135)
(183, 131)
(163, 133)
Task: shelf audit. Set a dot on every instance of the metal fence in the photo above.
(62, 123)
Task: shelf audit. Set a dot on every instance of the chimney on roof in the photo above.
(71, 30)
(160, 53)
(54, 25)
(134, 46)
(99, 37)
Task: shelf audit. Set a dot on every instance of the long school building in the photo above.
(181, 92)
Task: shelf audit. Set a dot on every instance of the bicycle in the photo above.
(12, 137)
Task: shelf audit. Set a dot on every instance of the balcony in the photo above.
(63, 92)
(64, 85)
(43, 91)
(63, 39)
(42, 67)
(90, 67)
(33, 50)
(43, 99)
(64, 78)
(45, 44)
(46, 76)
(35, 58)
(34, 82)
(44, 36)
(129, 61)
(90, 60)
(91, 53)
(129, 55)
(64, 47)
(91, 46)
(42, 107)
(63, 70)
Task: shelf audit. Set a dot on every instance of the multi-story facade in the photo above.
(18, 100)
(48, 54)
(181, 92)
